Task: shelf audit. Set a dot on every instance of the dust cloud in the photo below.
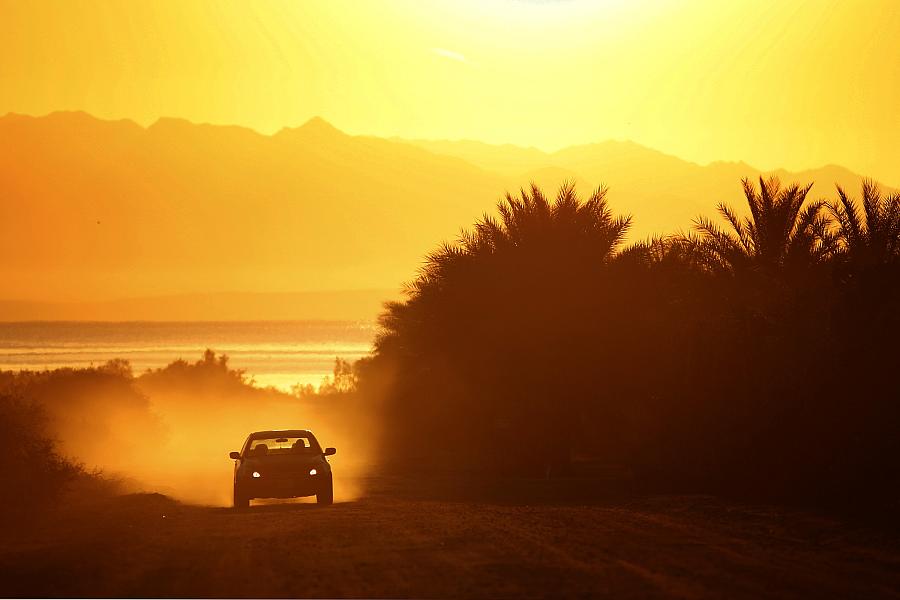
(191, 462)
(171, 432)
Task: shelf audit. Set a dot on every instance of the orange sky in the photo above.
(795, 84)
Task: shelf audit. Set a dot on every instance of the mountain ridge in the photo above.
(319, 124)
(97, 209)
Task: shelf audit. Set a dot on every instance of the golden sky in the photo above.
(778, 83)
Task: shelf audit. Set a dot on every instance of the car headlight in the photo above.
(312, 471)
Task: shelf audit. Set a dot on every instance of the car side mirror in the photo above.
(234, 455)
(330, 451)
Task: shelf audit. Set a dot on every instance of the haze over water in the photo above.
(273, 353)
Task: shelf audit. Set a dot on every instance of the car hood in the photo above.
(282, 464)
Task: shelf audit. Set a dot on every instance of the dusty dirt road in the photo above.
(396, 544)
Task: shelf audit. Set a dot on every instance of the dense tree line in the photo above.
(756, 356)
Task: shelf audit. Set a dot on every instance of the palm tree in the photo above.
(533, 228)
(673, 252)
(871, 236)
(489, 327)
(532, 220)
(532, 232)
(780, 231)
(533, 235)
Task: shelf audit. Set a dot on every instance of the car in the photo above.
(286, 463)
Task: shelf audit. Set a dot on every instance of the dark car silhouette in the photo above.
(282, 464)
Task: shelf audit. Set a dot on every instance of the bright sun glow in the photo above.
(548, 73)
(550, 9)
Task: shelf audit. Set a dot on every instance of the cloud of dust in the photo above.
(177, 441)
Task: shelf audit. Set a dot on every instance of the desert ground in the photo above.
(444, 539)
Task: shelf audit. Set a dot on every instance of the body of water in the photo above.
(276, 353)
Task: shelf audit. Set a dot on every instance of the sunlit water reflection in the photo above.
(273, 353)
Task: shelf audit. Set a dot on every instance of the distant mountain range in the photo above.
(93, 211)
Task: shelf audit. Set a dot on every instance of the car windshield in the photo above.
(282, 445)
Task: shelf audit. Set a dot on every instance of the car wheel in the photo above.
(240, 500)
(326, 492)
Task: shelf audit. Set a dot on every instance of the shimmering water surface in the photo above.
(276, 353)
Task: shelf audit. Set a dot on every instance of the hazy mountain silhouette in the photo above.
(96, 210)
(663, 192)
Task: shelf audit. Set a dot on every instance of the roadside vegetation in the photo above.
(755, 354)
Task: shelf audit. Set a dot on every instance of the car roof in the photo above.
(281, 433)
